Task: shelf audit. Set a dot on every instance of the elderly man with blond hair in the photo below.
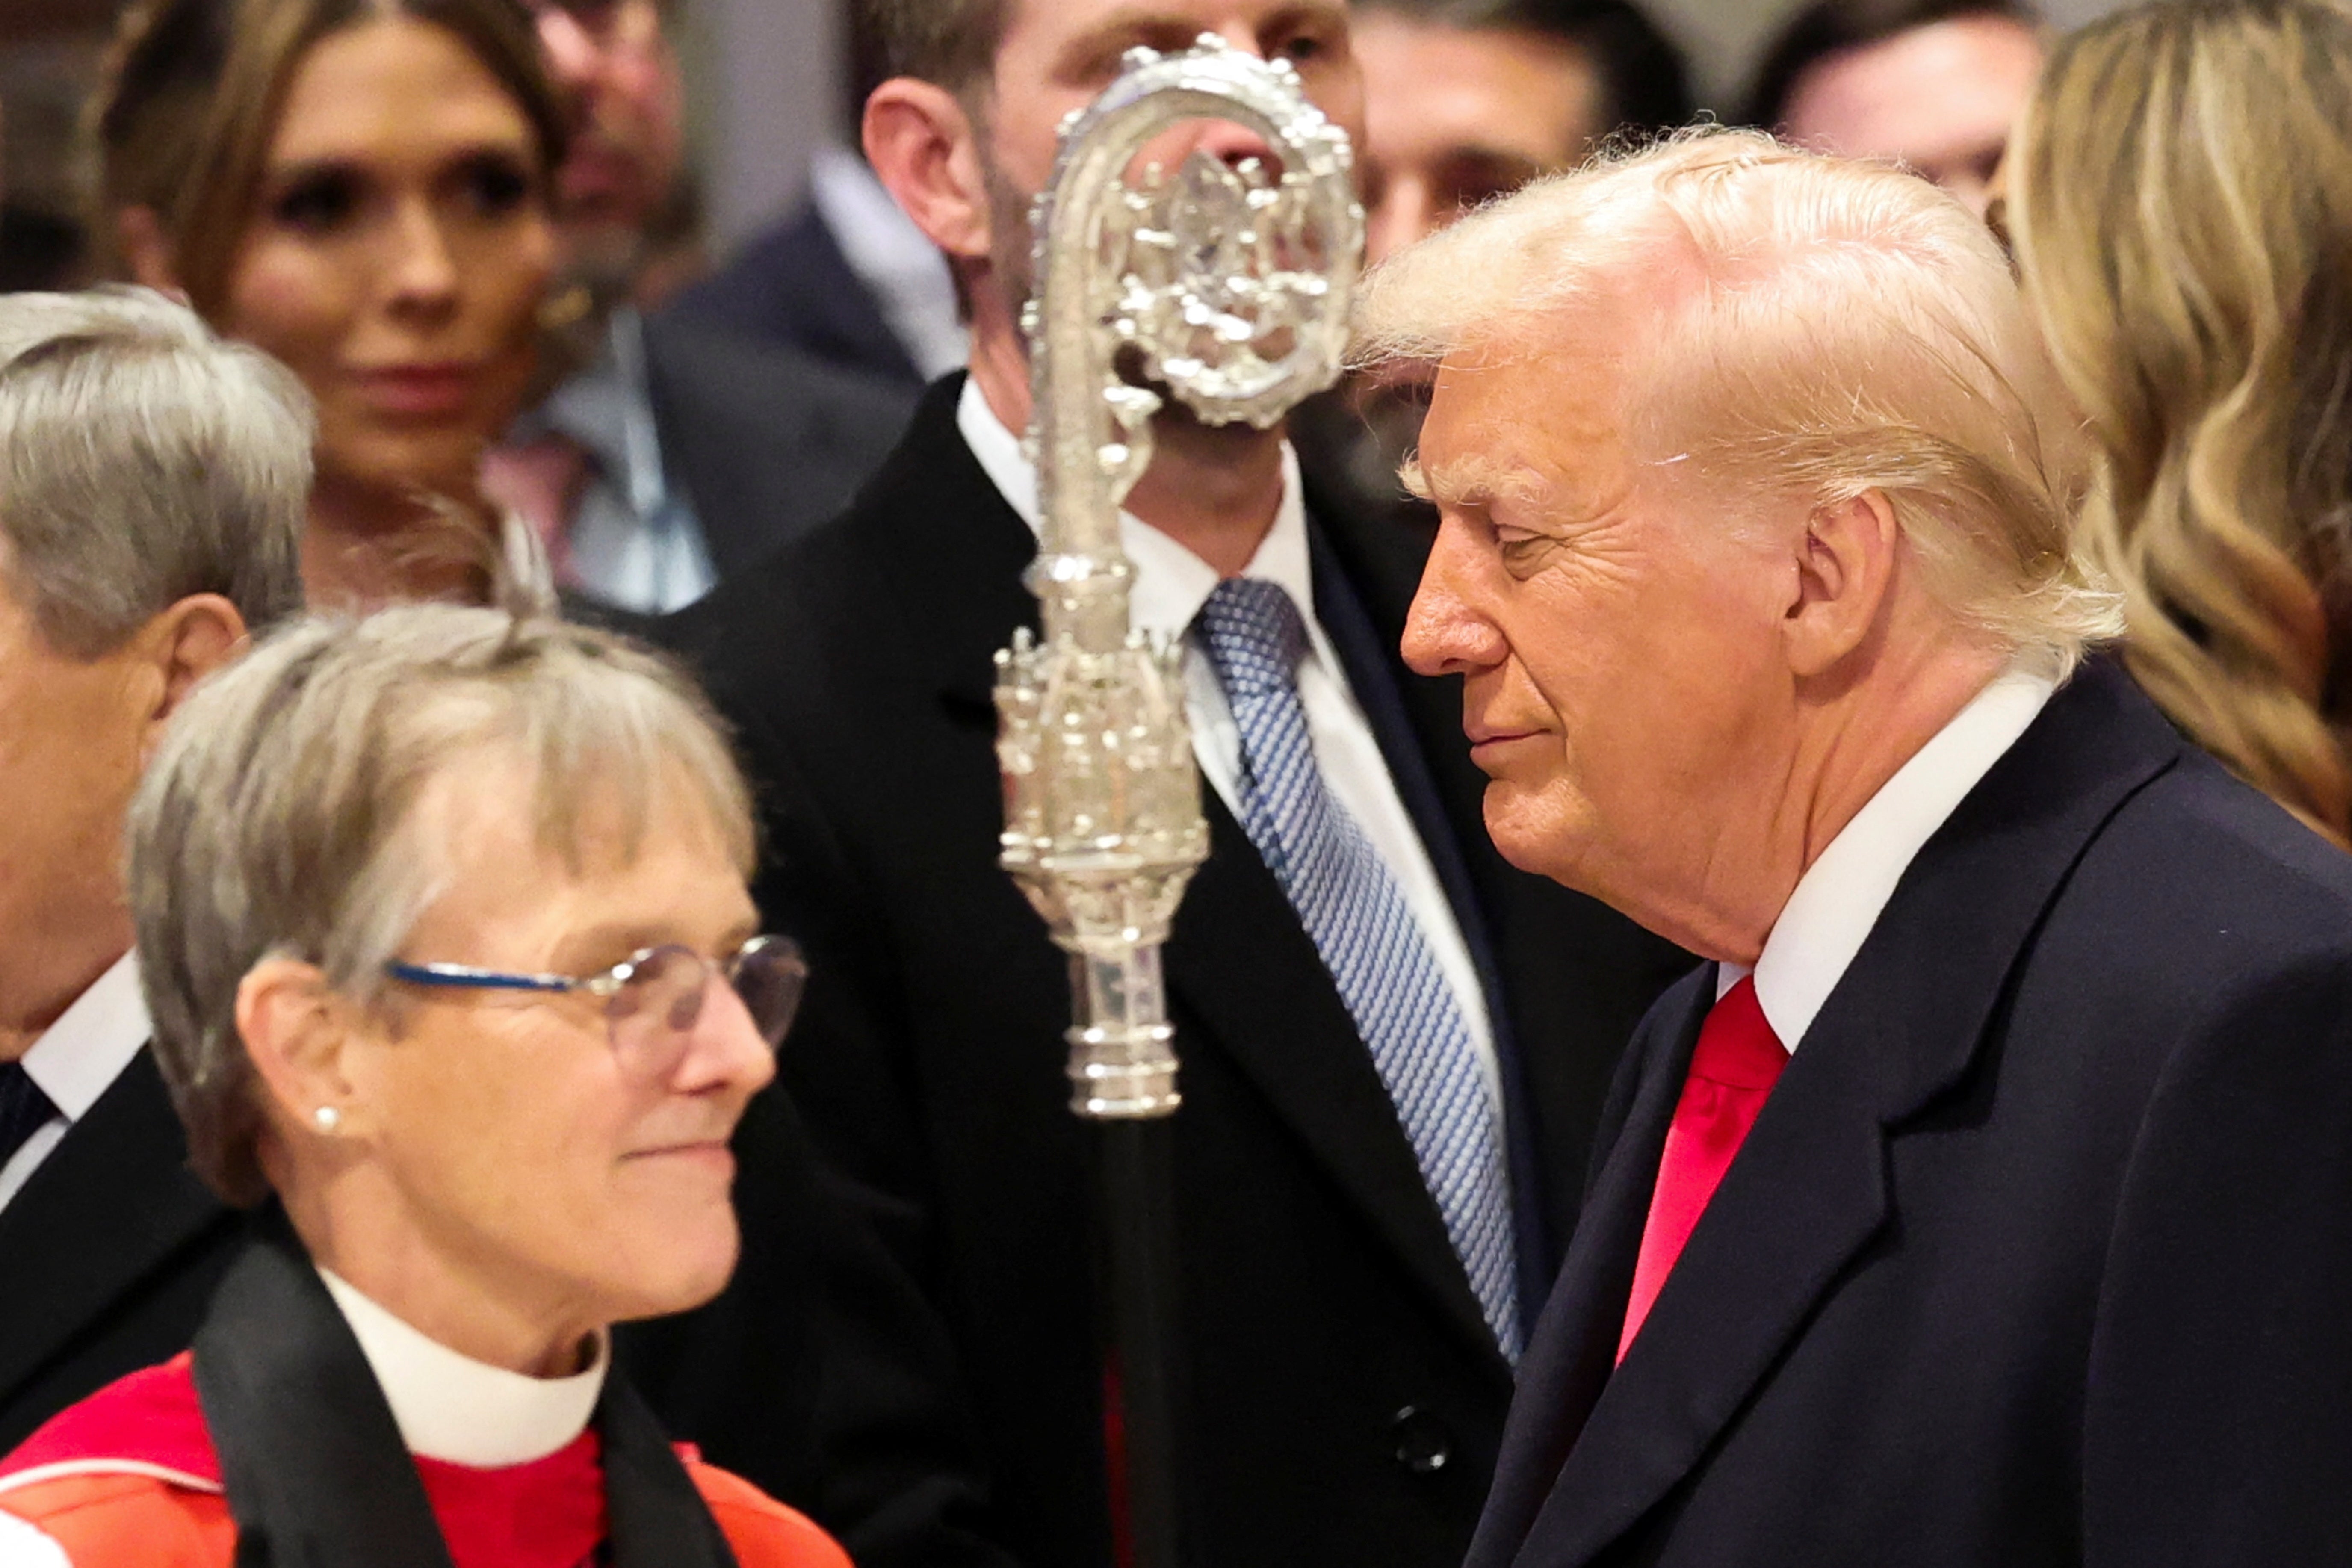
(1984, 1201)
(152, 484)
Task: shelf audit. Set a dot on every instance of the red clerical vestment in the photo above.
(130, 1477)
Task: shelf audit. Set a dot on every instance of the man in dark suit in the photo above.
(154, 487)
(678, 452)
(1983, 1203)
(1347, 1337)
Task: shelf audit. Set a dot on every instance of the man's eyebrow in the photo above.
(1165, 28)
(1472, 482)
(1501, 164)
(1123, 29)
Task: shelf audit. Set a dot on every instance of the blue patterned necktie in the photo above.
(24, 1108)
(1359, 922)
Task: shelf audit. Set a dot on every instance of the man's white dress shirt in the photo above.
(1843, 894)
(1170, 586)
(77, 1059)
(465, 1412)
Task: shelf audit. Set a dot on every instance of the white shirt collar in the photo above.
(1840, 896)
(77, 1058)
(465, 1412)
(1171, 582)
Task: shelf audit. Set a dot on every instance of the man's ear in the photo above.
(194, 637)
(1845, 578)
(925, 150)
(296, 1031)
(147, 250)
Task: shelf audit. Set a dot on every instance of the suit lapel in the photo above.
(1807, 1192)
(1573, 1348)
(1370, 664)
(1240, 964)
(121, 1175)
(960, 562)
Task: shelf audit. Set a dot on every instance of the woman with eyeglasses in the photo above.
(444, 926)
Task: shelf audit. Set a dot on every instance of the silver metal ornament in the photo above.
(1226, 287)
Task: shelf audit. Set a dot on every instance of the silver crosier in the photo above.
(1226, 288)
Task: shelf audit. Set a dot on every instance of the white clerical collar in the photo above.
(1171, 582)
(77, 1058)
(1843, 894)
(465, 1412)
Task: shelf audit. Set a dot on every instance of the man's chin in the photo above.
(1505, 806)
(1528, 836)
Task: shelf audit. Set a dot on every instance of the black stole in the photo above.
(314, 1467)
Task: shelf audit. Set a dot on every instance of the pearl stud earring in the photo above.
(327, 1116)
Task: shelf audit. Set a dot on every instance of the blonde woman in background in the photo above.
(2180, 201)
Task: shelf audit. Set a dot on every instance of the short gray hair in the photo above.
(280, 816)
(141, 460)
(1791, 325)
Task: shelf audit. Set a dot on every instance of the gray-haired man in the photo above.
(153, 480)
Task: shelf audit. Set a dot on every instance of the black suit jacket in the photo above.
(2039, 1253)
(766, 442)
(1342, 1398)
(109, 1253)
(790, 285)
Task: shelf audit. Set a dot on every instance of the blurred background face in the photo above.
(1940, 98)
(1452, 117)
(398, 254)
(513, 1136)
(627, 151)
(1058, 54)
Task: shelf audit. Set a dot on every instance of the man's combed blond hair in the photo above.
(2181, 196)
(1785, 324)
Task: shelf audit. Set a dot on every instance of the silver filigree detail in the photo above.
(1226, 288)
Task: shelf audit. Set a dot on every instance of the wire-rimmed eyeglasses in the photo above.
(652, 998)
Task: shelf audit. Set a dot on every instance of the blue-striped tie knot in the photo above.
(1255, 635)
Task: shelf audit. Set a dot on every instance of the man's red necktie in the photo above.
(1737, 1060)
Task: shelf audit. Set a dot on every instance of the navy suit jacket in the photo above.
(2040, 1252)
(766, 442)
(107, 1254)
(790, 285)
(1340, 1393)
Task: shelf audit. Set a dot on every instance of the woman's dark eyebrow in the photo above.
(302, 170)
(354, 165)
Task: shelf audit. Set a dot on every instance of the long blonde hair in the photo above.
(2182, 202)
